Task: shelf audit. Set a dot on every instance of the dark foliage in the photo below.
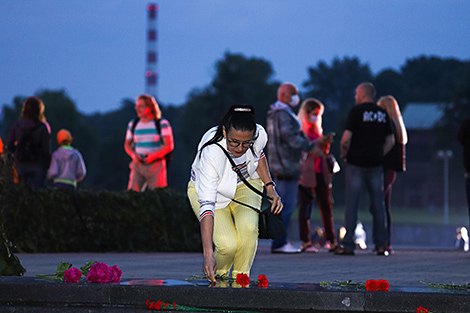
(239, 79)
(51, 220)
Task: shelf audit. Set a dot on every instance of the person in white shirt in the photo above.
(230, 226)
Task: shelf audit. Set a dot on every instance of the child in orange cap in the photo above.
(67, 166)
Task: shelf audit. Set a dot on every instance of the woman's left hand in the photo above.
(276, 204)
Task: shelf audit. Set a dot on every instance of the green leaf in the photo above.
(86, 268)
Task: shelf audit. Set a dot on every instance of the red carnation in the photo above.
(372, 285)
(159, 304)
(243, 279)
(383, 285)
(422, 310)
(262, 281)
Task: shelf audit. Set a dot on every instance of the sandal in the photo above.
(309, 248)
(333, 247)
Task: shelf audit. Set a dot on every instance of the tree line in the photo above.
(238, 79)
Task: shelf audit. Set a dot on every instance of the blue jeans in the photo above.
(359, 179)
(287, 190)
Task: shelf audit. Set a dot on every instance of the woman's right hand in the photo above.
(276, 202)
(209, 268)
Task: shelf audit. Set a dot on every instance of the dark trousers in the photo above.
(306, 197)
(467, 188)
(33, 176)
(389, 179)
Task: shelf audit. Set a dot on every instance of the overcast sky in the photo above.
(96, 50)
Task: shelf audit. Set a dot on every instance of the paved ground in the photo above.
(406, 267)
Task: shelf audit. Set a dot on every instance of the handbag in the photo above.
(270, 225)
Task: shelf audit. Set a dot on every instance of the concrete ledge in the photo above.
(27, 294)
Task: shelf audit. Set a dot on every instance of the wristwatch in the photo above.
(270, 183)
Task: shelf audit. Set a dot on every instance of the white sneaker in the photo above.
(287, 248)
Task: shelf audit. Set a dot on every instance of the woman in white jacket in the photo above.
(230, 226)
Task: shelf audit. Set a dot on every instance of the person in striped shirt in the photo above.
(148, 139)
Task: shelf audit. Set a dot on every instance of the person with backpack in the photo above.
(149, 141)
(29, 140)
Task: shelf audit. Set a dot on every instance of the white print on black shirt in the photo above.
(370, 116)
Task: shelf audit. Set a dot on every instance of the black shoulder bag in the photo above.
(270, 225)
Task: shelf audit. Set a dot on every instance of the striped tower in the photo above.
(151, 73)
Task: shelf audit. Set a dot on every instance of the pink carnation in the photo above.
(99, 273)
(115, 274)
(72, 275)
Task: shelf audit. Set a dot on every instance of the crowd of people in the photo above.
(149, 140)
(230, 169)
(29, 139)
(299, 172)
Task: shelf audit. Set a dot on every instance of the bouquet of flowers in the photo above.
(93, 271)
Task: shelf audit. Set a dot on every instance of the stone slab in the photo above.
(129, 296)
(294, 283)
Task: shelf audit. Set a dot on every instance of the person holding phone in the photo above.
(316, 177)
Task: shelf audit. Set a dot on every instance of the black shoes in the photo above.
(344, 251)
(382, 251)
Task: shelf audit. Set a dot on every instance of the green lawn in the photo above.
(402, 216)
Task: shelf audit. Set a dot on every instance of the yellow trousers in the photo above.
(235, 233)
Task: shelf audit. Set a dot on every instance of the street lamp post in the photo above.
(446, 155)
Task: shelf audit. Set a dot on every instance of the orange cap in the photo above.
(64, 135)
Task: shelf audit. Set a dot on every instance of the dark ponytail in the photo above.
(239, 117)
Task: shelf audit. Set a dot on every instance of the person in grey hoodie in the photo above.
(285, 145)
(67, 166)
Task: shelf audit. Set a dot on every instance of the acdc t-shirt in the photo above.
(370, 125)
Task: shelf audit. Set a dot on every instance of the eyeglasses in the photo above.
(235, 143)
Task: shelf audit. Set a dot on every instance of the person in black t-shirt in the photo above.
(367, 137)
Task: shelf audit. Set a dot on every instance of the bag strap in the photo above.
(247, 205)
(157, 125)
(134, 124)
(156, 121)
(237, 170)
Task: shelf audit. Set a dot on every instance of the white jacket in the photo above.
(211, 171)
